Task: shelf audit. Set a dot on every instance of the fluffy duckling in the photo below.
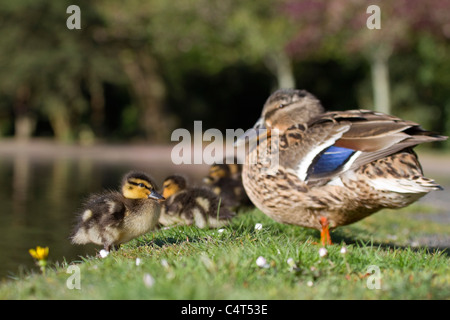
(112, 218)
(192, 206)
(235, 167)
(225, 181)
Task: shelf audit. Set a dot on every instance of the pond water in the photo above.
(42, 187)
(40, 192)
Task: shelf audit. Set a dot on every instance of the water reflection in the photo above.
(39, 197)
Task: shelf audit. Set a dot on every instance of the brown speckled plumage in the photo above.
(380, 171)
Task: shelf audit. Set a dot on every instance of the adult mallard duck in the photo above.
(192, 205)
(225, 180)
(331, 168)
(112, 218)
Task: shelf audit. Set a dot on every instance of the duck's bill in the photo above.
(252, 135)
(156, 196)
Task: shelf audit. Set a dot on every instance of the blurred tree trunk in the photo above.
(379, 64)
(97, 103)
(61, 126)
(58, 115)
(149, 88)
(280, 64)
(445, 120)
(24, 120)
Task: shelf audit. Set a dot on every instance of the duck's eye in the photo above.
(141, 185)
(281, 105)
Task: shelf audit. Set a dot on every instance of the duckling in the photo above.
(194, 205)
(112, 218)
(225, 181)
(234, 166)
(331, 168)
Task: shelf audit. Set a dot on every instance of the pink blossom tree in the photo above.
(345, 26)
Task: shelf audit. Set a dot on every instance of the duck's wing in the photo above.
(99, 212)
(176, 203)
(108, 208)
(336, 142)
(211, 204)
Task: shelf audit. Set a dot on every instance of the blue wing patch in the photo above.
(329, 160)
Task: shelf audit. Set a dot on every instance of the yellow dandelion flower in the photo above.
(39, 253)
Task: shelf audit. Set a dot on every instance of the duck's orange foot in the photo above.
(325, 237)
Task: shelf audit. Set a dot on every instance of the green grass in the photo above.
(190, 263)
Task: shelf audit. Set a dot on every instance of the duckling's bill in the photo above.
(156, 196)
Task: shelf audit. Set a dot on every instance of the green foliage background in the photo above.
(139, 69)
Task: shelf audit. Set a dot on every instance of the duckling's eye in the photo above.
(281, 105)
(141, 185)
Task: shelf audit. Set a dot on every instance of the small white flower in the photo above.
(310, 283)
(165, 264)
(323, 252)
(343, 250)
(149, 281)
(258, 226)
(104, 253)
(392, 237)
(262, 262)
(138, 261)
(291, 263)
(220, 230)
(209, 264)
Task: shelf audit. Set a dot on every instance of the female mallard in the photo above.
(323, 170)
(225, 181)
(113, 218)
(192, 206)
